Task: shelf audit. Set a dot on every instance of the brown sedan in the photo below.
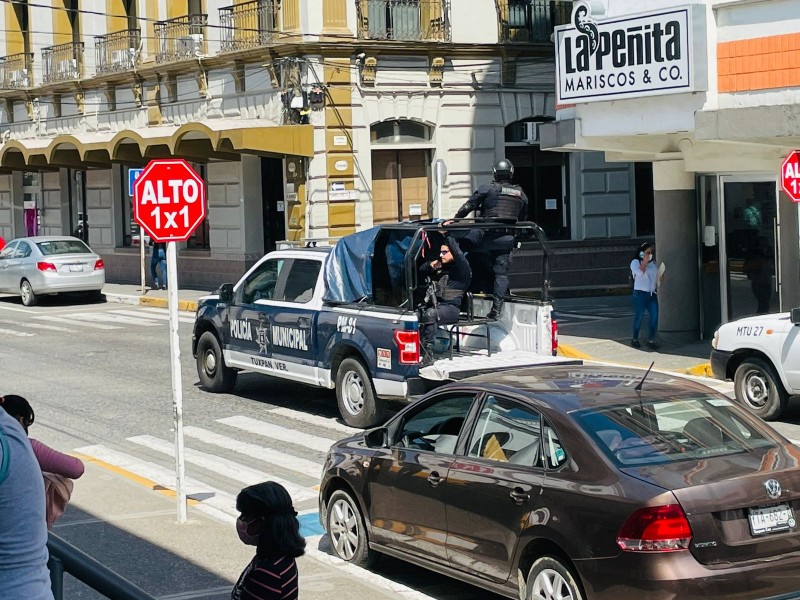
(574, 483)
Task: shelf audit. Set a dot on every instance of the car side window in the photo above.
(301, 281)
(507, 431)
(8, 251)
(437, 425)
(260, 285)
(555, 455)
(23, 250)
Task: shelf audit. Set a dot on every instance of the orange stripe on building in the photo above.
(761, 63)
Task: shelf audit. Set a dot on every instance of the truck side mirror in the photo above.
(226, 293)
(796, 316)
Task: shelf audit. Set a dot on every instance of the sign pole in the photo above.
(141, 255)
(177, 387)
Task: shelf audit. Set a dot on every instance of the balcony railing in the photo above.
(405, 20)
(249, 25)
(16, 71)
(62, 63)
(532, 20)
(181, 37)
(117, 51)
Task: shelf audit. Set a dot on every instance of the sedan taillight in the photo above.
(408, 345)
(46, 266)
(656, 529)
(99, 264)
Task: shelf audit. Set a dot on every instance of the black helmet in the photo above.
(503, 170)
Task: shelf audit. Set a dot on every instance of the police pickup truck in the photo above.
(762, 356)
(347, 318)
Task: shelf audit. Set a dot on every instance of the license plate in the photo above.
(770, 519)
(76, 268)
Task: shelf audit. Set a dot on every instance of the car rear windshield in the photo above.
(663, 431)
(52, 247)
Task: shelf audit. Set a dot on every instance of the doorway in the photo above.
(400, 185)
(273, 207)
(739, 274)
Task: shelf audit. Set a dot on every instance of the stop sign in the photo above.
(790, 176)
(169, 200)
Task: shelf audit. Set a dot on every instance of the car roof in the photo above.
(46, 238)
(585, 386)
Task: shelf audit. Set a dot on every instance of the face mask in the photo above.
(247, 538)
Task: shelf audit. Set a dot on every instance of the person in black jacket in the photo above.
(449, 276)
(504, 202)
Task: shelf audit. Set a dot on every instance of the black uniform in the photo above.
(452, 280)
(500, 201)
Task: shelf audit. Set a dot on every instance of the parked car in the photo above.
(574, 482)
(33, 266)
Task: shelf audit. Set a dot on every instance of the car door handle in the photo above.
(304, 322)
(434, 479)
(519, 496)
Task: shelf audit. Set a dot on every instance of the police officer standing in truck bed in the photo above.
(500, 201)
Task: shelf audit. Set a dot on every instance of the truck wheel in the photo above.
(348, 531)
(759, 389)
(27, 293)
(358, 404)
(214, 375)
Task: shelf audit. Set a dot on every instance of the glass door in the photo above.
(711, 291)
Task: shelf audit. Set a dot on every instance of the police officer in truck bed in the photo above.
(500, 201)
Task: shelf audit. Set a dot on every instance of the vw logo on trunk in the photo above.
(773, 488)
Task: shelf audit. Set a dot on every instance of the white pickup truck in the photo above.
(762, 356)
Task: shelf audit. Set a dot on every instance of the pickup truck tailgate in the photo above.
(462, 366)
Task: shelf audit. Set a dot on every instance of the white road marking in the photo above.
(16, 333)
(277, 432)
(73, 322)
(38, 326)
(287, 461)
(112, 318)
(14, 309)
(224, 467)
(150, 315)
(165, 311)
(326, 422)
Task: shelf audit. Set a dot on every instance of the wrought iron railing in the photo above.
(181, 37)
(62, 62)
(117, 51)
(249, 25)
(16, 71)
(411, 20)
(532, 20)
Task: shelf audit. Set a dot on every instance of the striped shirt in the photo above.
(267, 579)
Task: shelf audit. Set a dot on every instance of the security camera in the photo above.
(360, 58)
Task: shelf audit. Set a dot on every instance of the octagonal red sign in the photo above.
(169, 200)
(790, 175)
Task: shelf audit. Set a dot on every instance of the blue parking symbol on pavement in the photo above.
(133, 174)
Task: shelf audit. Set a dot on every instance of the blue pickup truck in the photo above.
(347, 318)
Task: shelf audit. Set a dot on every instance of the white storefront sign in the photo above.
(647, 54)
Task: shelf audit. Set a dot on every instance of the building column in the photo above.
(676, 246)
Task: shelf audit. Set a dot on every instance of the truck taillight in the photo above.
(408, 345)
(554, 337)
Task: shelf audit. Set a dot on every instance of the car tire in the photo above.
(355, 394)
(348, 531)
(27, 293)
(759, 389)
(549, 579)
(214, 375)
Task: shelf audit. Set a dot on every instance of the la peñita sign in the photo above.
(646, 54)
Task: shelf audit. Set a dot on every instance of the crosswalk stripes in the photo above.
(107, 320)
(16, 333)
(277, 432)
(41, 326)
(149, 314)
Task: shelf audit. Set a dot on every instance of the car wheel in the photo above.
(759, 389)
(27, 293)
(348, 531)
(214, 375)
(356, 397)
(549, 579)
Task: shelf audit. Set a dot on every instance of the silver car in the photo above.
(50, 264)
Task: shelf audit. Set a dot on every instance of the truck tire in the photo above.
(759, 388)
(214, 375)
(355, 394)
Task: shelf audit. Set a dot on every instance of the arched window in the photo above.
(399, 131)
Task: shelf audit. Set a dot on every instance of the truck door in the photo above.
(247, 331)
(298, 299)
(790, 355)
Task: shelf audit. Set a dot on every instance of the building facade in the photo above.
(709, 93)
(308, 120)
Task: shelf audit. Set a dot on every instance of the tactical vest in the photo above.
(444, 292)
(507, 202)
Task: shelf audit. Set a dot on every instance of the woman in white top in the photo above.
(645, 279)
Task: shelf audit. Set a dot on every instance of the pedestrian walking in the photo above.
(269, 522)
(158, 260)
(501, 201)
(57, 469)
(23, 530)
(646, 279)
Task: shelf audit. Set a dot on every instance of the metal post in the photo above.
(177, 387)
(56, 577)
(141, 254)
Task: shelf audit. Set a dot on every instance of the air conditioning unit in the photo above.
(68, 68)
(19, 78)
(532, 132)
(190, 45)
(122, 59)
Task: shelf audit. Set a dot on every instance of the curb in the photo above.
(701, 370)
(183, 305)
